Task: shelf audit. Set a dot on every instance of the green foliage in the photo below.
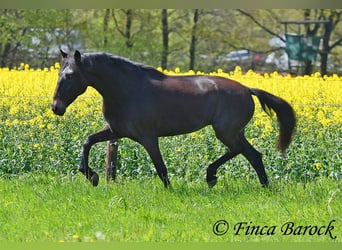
(218, 32)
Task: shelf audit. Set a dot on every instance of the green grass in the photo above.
(67, 208)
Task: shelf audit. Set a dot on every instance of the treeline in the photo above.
(189, 39)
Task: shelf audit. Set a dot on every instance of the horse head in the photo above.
(71, 82)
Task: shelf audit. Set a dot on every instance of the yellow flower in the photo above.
(37, 145)
(179, 149)
(318, 165)
(57, 65)
(94, 124)
(194, 135)
(49, 126)
(75, 237)
(8, 122)
(15, 122)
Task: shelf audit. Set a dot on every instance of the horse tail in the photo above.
(285, 115)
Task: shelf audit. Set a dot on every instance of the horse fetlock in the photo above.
(81, 169)
(264, 183)
(94, 179)
(167, 185)
(166, 182)
(263, 180)
(211, 181)
(92, 176)
(211, 177)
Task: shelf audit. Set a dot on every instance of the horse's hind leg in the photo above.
(231, 141)
(237, 144)
(255, 159)
(212, 169)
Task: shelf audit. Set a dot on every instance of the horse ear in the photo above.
(77, 56)
(64, 55)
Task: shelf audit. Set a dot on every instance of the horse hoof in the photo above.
(94, 179)
(265, 185)
(212, 182)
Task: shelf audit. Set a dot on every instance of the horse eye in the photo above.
(69, 76)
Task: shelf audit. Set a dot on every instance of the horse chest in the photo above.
(120, 120)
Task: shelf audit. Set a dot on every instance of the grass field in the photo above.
(43, 198)
(66, 208)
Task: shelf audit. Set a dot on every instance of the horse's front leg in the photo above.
(104, 135)
(152, 147)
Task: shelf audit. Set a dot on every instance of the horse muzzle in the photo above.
(58, 108)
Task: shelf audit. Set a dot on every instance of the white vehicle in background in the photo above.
(237, 56)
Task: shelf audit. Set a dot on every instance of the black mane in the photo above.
(124, 63)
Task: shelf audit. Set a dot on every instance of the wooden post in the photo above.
(111, 160)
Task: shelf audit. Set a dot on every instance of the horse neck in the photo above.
(113, 86)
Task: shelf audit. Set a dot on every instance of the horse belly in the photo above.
(184, 117)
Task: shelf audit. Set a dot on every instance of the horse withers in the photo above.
(143, 104)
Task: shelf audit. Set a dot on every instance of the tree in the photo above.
(126, 29)
(13, 30)
(185, 38)
(165, 35)
(105, 27)
(332, 18)
(32, 35)
(332, 15)
(193, 39)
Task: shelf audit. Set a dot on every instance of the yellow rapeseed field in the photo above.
(27, 121)
(314, 97)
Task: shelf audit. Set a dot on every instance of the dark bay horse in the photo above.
(142, 103)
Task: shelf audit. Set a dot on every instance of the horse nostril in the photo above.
(57, 109)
